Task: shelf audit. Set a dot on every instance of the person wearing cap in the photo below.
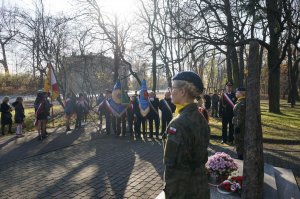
(226, 105)
(167, 109)
(104, 109)
(185, 142)
(239, 112)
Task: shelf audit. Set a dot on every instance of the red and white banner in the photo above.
(51, 84)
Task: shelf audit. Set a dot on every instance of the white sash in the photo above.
(169, 108)
(228, 100)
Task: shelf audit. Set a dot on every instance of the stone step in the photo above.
(286, 184)
(270, 187)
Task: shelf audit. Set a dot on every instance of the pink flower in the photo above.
(221, 163)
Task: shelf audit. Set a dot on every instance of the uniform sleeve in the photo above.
(241, 115)
(173, 141)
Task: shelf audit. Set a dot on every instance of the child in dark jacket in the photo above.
(19, 115)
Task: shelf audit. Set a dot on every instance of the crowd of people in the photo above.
(185, 137)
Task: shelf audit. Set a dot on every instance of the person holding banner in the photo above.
(153, 114)
(167, 109)
(227, 102)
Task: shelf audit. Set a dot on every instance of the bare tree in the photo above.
(8, 30)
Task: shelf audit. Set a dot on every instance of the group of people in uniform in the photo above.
(232, 109)
(136, 121)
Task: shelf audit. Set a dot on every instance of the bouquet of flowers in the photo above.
(221, 164)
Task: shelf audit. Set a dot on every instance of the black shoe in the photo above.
(223, 142)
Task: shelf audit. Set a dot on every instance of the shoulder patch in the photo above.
(172, 131)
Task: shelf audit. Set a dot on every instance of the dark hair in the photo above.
(39, 98)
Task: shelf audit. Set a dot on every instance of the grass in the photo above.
(280, 130)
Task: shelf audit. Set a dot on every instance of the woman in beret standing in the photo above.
(186, 142)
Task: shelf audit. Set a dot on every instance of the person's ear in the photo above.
(182, 92)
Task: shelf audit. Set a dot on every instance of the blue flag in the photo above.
(143, 99)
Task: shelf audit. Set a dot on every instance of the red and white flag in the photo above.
(51, 84)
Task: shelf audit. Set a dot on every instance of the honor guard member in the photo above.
(139, 120)
(130, 114)
(167, 109)
(153, 115)
(239, 112)
(227, 102)
(104, 110)
(186, 142)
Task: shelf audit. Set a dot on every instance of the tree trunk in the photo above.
(231, 49)
(241, 70)
(228, 65)
(154, 68)
(273, 15)
(253, 170)
(4, 61)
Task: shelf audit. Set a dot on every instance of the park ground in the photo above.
(85, 163)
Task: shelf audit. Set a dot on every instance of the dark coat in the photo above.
(153, 113)
(225, 110)
(185, 155)
(19, 112)
(103, 107)
(6, 116)
(136, 109)
(215, 100)
(166, 113)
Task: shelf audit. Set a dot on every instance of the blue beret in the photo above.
(191, 77)
(241, 89)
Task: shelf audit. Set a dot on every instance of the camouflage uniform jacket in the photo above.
(185, 155)
(238, 120)
(239, 112)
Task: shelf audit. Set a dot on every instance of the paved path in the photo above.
(82, 164)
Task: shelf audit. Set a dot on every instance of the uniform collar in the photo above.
(188, 108)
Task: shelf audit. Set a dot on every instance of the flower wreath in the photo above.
(233, 184)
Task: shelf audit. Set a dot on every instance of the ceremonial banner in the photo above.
(118, 104)
(51, 84)
(143, 100)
